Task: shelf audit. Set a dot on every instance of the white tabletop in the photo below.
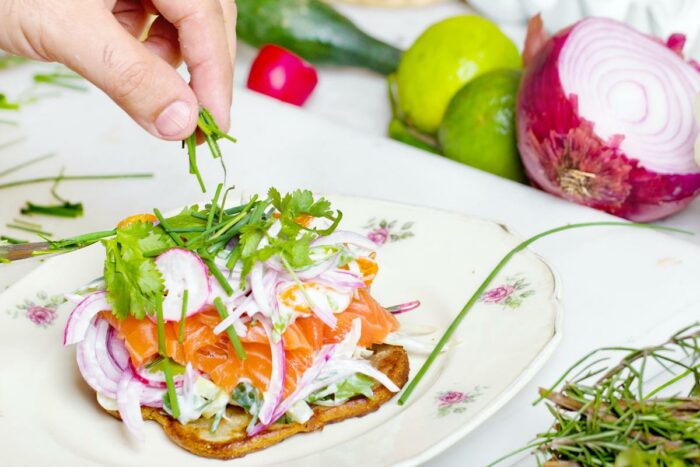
(618, 286)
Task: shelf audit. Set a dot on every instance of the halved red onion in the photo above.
(273, 393)
(345, 237)
(82, 315)
(183, 270)
(605, 119)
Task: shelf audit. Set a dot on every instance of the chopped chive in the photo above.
(191, 143)
(29, 229)
(216, 272)
(12, 240)
(22, 165)
(233, 337)
(484, 285)
(214, 205)
(12, 142)
(160, 324)
(83, 239)
(71, 210)
(233, 258)
(59, 79)
(183, 316)
(186, 229)
(164, 224)
(170, 383)
(27, 223)
(75, 178)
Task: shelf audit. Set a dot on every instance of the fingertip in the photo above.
(177, 121)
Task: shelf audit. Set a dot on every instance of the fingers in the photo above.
(230, 14)
(131, 15)
(139, 81)
(162, 40)
(205, 49)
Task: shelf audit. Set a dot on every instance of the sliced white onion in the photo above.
(273, 393)
(411, 344)
(183, 270)
(82, 315)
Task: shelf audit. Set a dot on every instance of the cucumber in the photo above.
(315, 31)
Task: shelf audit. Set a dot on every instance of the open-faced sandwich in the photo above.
(237, 328)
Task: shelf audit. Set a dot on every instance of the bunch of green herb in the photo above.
(212, 134)
(64, 208)
(642, 411)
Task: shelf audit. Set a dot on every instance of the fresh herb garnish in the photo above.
(6, 104)
(212, 134)
(24, 164)
(9, 61)
(183, 315)
(66, 178)
(66, 209)
(30, 229)
(492, 275)
(133, 282)
(12, 240)
(233, 337)
(60, 79)
(643, 411)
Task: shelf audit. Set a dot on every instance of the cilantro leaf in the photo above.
(134, 284)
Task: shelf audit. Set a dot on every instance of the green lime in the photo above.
(443, 59)
(479, 125)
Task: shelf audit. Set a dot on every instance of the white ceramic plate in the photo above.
(48, 415)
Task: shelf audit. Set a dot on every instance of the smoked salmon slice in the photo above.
(214, 354)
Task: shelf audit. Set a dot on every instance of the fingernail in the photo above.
(174, 119)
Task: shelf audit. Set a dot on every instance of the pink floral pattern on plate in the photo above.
(382, 231)
(509, 295)
(41, 310)
(449, 402)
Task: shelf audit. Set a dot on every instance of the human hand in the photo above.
(98, 40)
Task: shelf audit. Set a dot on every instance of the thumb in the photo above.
(140, 82)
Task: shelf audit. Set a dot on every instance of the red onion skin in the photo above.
(549, 126)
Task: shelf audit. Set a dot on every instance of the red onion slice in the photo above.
(345, 237)
(153, 380)
(342, 278)
(183, 270)
(403, 308)
(82, 315)
(273, 393)
(129, 404)
(605, 120)
(117, 350)
(89, 365)
(316, 270)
